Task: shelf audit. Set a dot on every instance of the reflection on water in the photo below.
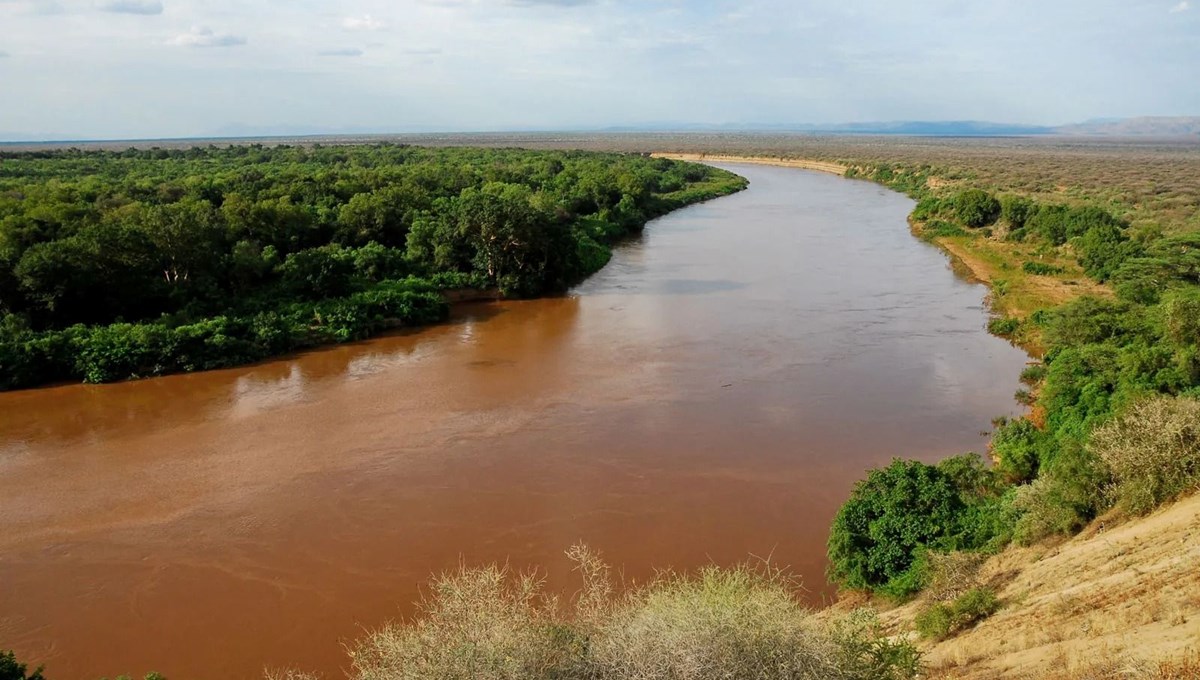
(713, 393)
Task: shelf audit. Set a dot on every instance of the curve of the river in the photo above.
(712, 394)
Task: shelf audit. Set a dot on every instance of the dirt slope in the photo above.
(1123, 596)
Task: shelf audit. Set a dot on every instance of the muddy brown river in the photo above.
(712, 394)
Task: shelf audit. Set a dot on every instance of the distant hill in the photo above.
(1145, 126)
(945, 128)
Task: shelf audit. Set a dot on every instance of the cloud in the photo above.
(205, 37)
(363, 23)
(550, 3)
(347, 52)
(1183, 6)
(146, 7)
(3, 54)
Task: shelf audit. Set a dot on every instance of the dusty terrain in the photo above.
(1127, 596)
(807, 164)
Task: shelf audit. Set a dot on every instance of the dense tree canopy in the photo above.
(118, 264)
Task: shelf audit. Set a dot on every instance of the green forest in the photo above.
(117, 265)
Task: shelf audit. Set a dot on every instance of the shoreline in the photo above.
(804, 164)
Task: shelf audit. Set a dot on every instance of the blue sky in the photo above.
(151, 68)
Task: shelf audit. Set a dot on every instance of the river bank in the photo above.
(804, 164)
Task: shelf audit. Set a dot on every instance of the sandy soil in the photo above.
(823, 166)
(1127, 594)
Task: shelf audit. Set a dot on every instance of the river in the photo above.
(711, 395)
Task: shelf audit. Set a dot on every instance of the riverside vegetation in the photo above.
(117, 265)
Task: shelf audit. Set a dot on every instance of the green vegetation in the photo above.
(743, 622)
(976, 208)
(899, 512)
(11, 669)
(127, 264)
(940, 620)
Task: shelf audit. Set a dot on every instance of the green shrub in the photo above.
(1015, 210)
(11, 669)
(934, 622)
(939, 621)
(976, 208)
(1004, 326)
(927, 208)
(899, 512)
(1033, 374)
(1153, 451)
(1016, 445)
(1041, 268)
(866, 652)
(937, 228)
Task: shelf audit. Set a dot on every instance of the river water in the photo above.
(711, 395)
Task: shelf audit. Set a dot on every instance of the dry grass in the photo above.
(1153, 451)
(739, 623)
(1122, 599)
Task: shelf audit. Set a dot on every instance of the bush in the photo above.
(11, 669)
(476, 623)
(1153, 451)
(1040, 268)
(1015, 446)
(743, 622)
(937, 228)
(719, 624)
(903, 510)
(1004, 326)
(1033, 374)
(1015, 210)
(976, 208)
(939, 620)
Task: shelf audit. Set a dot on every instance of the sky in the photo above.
(124, 69)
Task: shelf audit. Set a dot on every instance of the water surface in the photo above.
(712, 394)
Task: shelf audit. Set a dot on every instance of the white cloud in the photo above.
(131, 6)
(1183, 6)
(363, 23)
(347, 52)
(205, 37)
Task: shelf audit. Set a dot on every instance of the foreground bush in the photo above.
(742, 622)
(1152, 450)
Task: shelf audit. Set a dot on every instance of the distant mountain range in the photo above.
(1177, 127)
(1146, 126)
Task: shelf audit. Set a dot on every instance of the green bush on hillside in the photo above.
(904, 509)
(940, 620)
